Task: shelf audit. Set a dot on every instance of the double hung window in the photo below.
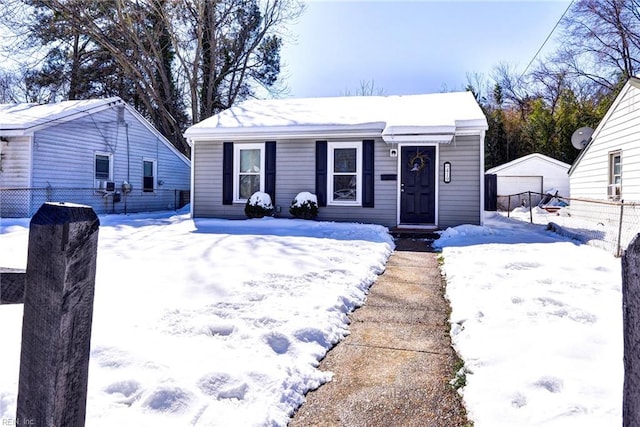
(248, 170)
(345, 173)
(615, 175)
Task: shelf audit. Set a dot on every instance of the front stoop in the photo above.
(395, 366)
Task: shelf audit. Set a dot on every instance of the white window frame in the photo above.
(614, 191)
(236, 168)
(155, 174)
(331, 147)
(96, 180)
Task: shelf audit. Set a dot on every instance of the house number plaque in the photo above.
(447, 172)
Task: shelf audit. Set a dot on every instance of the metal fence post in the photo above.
(508, 205)
(530, 208)
(618, 248)
(58, 312)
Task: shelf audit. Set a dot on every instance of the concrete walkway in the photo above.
(395, 366)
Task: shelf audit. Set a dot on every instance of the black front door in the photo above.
(418, 185)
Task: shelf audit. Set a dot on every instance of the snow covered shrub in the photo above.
(259, 205)
(305, 206)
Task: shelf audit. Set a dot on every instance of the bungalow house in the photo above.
(534, 173)
(412, 161)
(96, 152)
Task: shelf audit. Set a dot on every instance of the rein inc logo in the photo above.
(18, 422)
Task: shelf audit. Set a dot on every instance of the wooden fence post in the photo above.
(12, 283)
(631, 331)
(58, 311)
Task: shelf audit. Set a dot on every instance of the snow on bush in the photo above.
(259, 205)
(304, 205)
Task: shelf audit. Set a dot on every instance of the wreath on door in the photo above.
(417, 163)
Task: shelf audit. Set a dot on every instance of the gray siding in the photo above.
(459, 201)
(295, 172)
(385, 194)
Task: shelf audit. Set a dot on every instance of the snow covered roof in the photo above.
(526, 158)
(24, 118)
(392, 117)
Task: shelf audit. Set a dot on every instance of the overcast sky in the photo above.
(412, 46)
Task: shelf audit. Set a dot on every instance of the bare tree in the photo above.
(366, 88)
(601, 41)
(177, 61)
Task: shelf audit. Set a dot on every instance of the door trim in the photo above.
(437, 182)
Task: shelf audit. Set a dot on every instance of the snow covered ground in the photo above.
(207, 323)
(214, 322)
(537, 318)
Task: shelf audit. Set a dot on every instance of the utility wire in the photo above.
(547, 39)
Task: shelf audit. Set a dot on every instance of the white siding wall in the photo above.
(620, 132)
(460, 199)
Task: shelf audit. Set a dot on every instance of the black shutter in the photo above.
(227, 173)
(368, 181)
(270, 170)
(321, 172)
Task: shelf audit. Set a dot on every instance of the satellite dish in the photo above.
(580, 138)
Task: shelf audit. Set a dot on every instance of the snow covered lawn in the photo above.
(218, 322)
(537, 319)
(207, 322)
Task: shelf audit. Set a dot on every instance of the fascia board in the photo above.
(278, 133)
(442, 138)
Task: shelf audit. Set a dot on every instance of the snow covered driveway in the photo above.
(208, 322)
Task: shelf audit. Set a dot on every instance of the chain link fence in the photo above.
(610, 225)
(24, 202)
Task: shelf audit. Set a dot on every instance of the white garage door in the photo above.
(509, 185)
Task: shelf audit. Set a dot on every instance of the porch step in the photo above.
(413, 233)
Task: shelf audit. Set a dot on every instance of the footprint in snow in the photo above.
(168, 399)
(519, 400)
(222, 386)
(551, 384)
(279, 343)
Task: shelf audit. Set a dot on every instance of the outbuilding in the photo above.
(98, 152)
(408, 161)
(535, 173)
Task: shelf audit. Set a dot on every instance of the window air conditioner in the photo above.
(106, 186)
(614, 191)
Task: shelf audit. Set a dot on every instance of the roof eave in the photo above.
(369, 130)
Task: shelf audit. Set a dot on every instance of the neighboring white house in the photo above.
(96, 152)
(608, 168)
(414, 161)
(536, 173)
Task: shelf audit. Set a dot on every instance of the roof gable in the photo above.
(630, 85)
(527, 158)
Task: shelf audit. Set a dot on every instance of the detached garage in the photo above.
(536, 173)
